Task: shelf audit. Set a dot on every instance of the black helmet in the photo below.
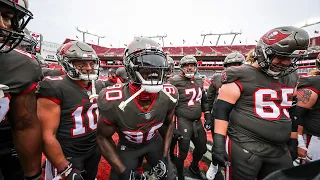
(11, 37)
(146, 64)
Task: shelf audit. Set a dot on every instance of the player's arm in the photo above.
(49, 115)
(27, 132)
(105, 130)
(205, 107)
(306, 100)
(228, 96)
(169, 123)
(211, 94)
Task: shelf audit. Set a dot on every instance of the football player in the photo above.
(233, 59)
(192, 103)
(68, 113)
(19, 74)
(252, 107)
(307, 113)
(136, 111)
(171, 68)
(112, 77)
(121, 75)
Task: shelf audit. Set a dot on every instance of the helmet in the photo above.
(41, 61)
(111, 71)
(11, 37)
(28, 44)
(284, 42)
(170, 64)
(146, 64)
(188, 59)
(121, 72)
(76, 50)
(233, 58)
(318, 62)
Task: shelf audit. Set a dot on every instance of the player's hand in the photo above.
(293, 148)
(302, 152)
(71, 173)
(208, 123)
(219, 154)
(128, 174)
(161, 169)
(177, 134)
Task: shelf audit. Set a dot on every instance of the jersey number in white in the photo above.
(195, 96)
(137, 137)
(269, 109)
(77, 116)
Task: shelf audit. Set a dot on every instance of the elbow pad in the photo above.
(223, 110)
(297, 114)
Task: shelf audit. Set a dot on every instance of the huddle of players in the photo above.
(63, 113)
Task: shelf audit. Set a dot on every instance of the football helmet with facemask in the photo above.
(170, 65)
(77, 51)
(146, 64)
(188, 59)
(284, 43)
(28, 44)
(233, 58)
(11, 30)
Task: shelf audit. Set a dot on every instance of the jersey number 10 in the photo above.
(78, 117)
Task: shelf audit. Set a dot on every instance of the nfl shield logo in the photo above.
(147, 115)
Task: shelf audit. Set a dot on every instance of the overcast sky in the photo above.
(121, 20)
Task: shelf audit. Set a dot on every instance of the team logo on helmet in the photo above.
(65, 48)
(273, 37)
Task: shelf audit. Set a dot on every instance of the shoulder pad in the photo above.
(110, 96)
(232, 74)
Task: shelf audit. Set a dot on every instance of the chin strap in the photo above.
(94, 94)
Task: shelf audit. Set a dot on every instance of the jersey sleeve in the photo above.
(106, 110)
(173, 91)
(49, 89)
(309, 82)
(233, 75)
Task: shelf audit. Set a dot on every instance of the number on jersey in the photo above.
(269, 109)
(4, 107)
(79, 117)
(139, 136)
(169, 88)
(114, 93)
(195, 96)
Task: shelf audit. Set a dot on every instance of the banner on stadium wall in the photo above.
(38, 38)
(49, 50)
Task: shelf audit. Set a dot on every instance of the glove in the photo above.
(219, 154)
(177, 134)
(208, 124)
(131, 175)
(293, 148)
(70, 173)
(161, 169)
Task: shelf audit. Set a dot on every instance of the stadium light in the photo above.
(157, 36)
(219, 35)
(308, 23)
(85, 31)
